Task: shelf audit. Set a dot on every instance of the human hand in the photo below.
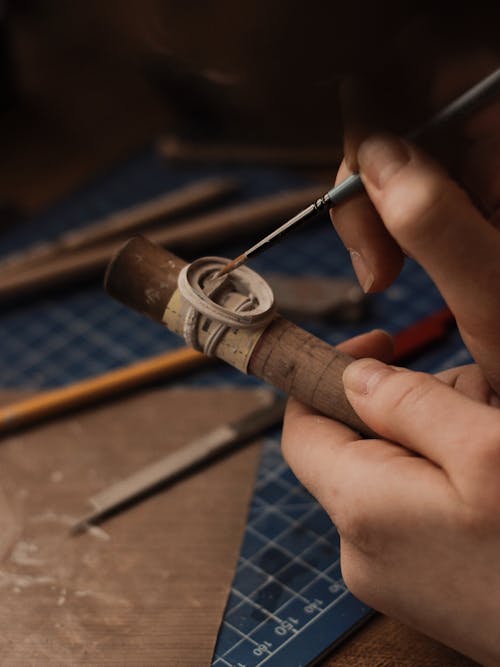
(417, 510)
(469, 149)
(415, 205)
(418, 521)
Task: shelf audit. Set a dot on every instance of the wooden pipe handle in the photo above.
(144, 277)
(307, 368)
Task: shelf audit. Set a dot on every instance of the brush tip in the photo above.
(233, 264)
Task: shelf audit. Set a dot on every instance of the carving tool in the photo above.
(170, 467)
(57, 401)
(479, 94)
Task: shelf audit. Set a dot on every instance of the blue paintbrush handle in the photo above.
(462, 105)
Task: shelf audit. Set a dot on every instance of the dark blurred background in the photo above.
(86, 83)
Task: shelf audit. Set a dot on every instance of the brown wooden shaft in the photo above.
(199, 232)
(144, 277)
(305, 367)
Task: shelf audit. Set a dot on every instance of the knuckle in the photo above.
(354, 580)
(356, 527)
(357, 574)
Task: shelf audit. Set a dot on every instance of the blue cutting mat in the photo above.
(288, 602)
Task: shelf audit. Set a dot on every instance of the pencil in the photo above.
(54, 402)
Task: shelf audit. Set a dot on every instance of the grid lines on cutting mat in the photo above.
(289, 570)
(289, 557)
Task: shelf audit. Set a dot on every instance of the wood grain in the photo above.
(384, 642)
(144, 277)
(149, 588)
(307, 368)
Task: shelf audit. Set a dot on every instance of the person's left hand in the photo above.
(418, 521)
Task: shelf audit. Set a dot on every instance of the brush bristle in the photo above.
(233, 264)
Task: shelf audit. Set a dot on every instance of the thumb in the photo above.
(420, 412)
(434, 220)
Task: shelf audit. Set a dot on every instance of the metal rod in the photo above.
(221, 439)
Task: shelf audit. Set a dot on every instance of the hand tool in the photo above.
(170, 467)
(471, 99)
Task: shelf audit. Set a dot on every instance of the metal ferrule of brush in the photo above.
(351, 186)
(321, 203)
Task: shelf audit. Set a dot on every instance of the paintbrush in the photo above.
(75, 266)
(479, 94)
(164, 207)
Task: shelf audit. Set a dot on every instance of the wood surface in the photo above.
(305, 367)
(203, 449)
(63, 139)
(144, 277)
(125, 594)
(384, 642)
(150, 586)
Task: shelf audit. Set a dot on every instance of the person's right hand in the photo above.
(417, 507)
(412, 205)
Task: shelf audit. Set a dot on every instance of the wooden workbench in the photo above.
(106, 597)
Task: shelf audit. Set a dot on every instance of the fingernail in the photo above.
(362, 270)
(363, 375)
(381, 157)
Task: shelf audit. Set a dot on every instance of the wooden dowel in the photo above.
(184, 200)
(57, 401)
(199, 232)
(177, 149)
(144, 277)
